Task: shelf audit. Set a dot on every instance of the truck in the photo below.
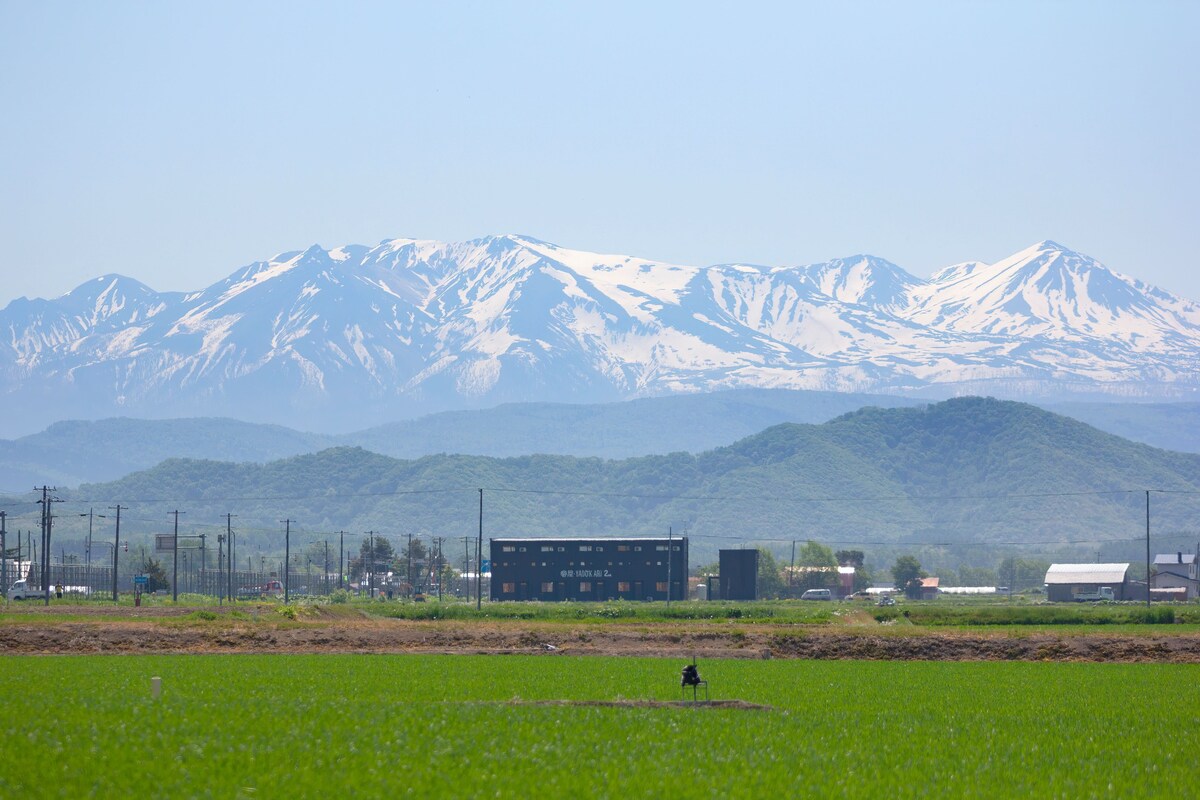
(21, 590)
(1102, 593)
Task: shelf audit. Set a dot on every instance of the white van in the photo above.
(817, 594)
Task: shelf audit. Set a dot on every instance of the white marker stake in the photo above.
(155, 687)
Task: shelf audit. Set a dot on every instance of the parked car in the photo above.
(887, 600)
(817, 594)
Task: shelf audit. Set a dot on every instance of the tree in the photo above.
(850, 558)
(412, 559)
(816, 568)
(381, 560)
(1022, 573)
(157, 575)
(977, 576)
(907, 574)
(770, 582)
(815, 554)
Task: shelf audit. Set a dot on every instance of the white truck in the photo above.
(21, 590)
(1102, 593)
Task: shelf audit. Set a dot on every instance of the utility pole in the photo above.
(438, 566)
(232, 560)
(203, 563)
(792, 571)
(1147, 548)
(87, 551)
(47, 528)
(466, 540)
(408, 576)
(371, 573)
(479, 559)
(326, 566)
(220, 568)
(116, 548)
(175, 559)
(669, 531)
(4, 554)
(341, 559)
(287, 555)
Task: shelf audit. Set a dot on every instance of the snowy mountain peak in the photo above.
(411, 326)
(863, 280)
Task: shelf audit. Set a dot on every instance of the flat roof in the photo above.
(586, 539)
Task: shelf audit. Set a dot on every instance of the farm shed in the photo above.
(588, 569)
(1065, 581)
(1174, 571)
(929, 588)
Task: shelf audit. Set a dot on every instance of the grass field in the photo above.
(438, 726)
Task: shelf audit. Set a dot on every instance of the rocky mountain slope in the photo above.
(333, 340)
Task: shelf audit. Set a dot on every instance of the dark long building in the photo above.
(589, 569)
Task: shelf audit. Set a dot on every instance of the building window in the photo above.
(622, 548)
(508, 548)
(547, 548)
(599, 548)
(547, 587)
(622, 586)
(521, 549)
(562, 549)
(637, 547)
(661, 586)
(585, 586)
(660, 547)
(508, 588)
(585, 548)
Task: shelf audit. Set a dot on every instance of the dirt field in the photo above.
(36, 631)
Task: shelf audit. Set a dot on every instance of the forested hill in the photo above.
(961, 474)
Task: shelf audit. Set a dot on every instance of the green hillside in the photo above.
(74, 452)
(960, 482)
(71, 453)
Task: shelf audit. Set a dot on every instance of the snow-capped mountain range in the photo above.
(342, 338)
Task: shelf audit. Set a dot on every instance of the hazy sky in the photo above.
(174, 142)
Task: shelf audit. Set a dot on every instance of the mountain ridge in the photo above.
(960, 478)
(330, 339)
(71, 452)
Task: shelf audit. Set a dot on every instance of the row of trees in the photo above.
(816, 568)
(414, 564)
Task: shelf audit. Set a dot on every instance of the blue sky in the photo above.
(174, 142)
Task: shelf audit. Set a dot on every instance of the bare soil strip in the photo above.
(157, 634)
(735, 705)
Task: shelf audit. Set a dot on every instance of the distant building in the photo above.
(588, 569)
(1173, 572)
(1065, 581)
(846, 581)
(929, 588)
(739, 574)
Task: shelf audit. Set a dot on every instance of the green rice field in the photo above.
(281, 726)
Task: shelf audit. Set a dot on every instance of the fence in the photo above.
(83, 581)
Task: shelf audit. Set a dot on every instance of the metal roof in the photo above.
(1175, 558)
(1086, 573)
